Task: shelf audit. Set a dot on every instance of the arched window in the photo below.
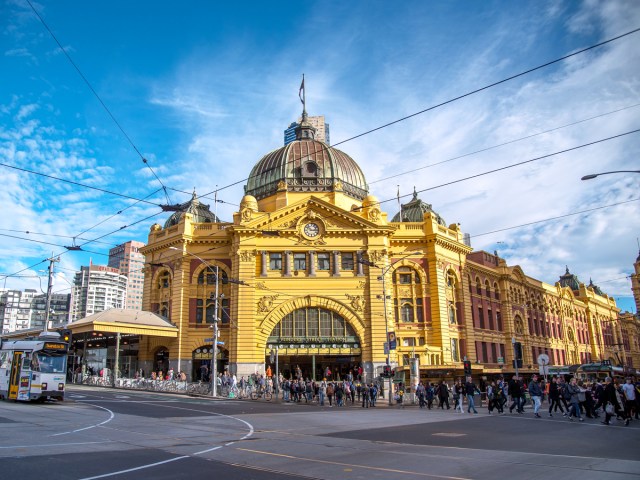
(313, 322)
(452, 314)
(210, 273)
(408, 301)
(478, 286)
(487, 288)
(496, 291)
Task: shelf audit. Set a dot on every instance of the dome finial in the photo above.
(301, 94)
(415, 193)
(304, 131)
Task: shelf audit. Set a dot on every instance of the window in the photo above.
(497, 292)
(452, 314)
(478, 286)
(481, 317)
(406, 310)
(299, 261)
(323, 261)
(275, 261)
(405, 278)
(347, 261)
(498, 321)
(454, 350)
(409, 342)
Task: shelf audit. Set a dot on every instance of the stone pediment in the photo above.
(313, 210)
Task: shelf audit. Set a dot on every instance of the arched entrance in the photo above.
(161, 361)
(201, 362)
(313, 342)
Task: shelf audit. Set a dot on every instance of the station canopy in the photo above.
(118, 320)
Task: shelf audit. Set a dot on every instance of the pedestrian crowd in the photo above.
(574, 399)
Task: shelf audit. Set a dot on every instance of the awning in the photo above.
(118, 320)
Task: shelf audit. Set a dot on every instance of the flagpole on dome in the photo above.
(301, 95)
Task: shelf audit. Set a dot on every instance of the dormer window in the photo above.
(309, 169)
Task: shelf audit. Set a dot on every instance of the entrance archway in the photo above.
(201, 362)
(314, 342)
(161, 361)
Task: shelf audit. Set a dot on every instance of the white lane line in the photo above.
(142, 467)
(56, 444)
(151, 465)
(111, 417)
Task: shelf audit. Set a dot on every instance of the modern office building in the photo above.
(24, 310)
(98, 288)
(312, 270)
(130, 262)
(317, 122)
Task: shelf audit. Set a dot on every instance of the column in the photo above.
(263, 265)
(359, 266)
(312, 263)
(287, 263)
(334, 263)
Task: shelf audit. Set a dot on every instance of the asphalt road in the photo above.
(116, 434)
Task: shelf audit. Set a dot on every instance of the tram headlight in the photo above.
(44, 385)
(61, 386)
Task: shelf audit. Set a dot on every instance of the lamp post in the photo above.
(214, 343)
(594, 175)
(384, 271)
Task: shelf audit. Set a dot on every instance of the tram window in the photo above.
(5, 360)
(50, 364)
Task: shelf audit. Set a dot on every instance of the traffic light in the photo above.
(467, 367)
(386, 371)
(517, 350)
(65, 336)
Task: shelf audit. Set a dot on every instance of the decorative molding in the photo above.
(266, 302)
(357, 302)
(377, 255)
(362, 284)
(374, 214)
(247, 255)
(261, 286)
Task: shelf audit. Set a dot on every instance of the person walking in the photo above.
(535, 391)
(554, 396)
(458, 395)
(470, 390)
(610, 401)
(629, 390)
(574, 391)
(515, 392)
(443, 394)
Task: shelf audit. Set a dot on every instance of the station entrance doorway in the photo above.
(317, 367)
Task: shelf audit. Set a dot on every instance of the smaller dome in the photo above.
(414, 211)
(200, 212)
(595, 288)
(570, 280)
(249, 201)
(155, 227)
(370, 201)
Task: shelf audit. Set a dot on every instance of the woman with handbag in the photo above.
(610, 401)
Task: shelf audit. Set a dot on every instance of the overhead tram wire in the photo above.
(506, 167)
(78, 184)
(486, 87)
(502, 144)
(50, 235)
(144, 160)
(555, 218)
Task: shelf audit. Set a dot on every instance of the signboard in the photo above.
(391, 339)
(386, 348)
(501, 360)
(544, 370)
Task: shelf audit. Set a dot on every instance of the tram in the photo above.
(33, 369)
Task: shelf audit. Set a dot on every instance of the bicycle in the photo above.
(260, 393)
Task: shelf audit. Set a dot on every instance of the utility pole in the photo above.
(49, 287)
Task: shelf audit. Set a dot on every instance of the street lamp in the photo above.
(384, 271)
(594, 175)
(214, 343)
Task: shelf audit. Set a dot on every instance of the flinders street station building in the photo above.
(313, 271)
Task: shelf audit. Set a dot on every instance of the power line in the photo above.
(555, 218)
(512, 165)
(144, 160)
(33, 172)
(578, 52)
(502, 144)
(49, 235)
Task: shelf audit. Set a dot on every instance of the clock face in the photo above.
(311, 230)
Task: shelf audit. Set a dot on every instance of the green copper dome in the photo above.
(414, 211)
(306, 165)
(570, 280)
(200, 212)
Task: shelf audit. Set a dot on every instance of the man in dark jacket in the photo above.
(470, 390)
(536, 394)
(610, 401)
(515, 391)
(554, 396)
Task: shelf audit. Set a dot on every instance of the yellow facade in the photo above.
(304, 292)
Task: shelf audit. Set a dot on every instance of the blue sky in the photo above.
(204, 89)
